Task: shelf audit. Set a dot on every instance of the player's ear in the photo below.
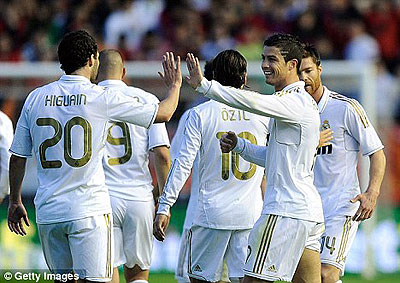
(91, 60)
(123, 73)
(292, 64)
(243, 79)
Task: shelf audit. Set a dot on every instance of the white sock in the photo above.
(139, 281)
(340, 281)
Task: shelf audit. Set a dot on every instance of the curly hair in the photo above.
(289, 45)
(229, 68)
(75, 49)
(311, 51)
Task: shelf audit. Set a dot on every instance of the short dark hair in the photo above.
(311, 51)
(230, 68)
(289, 45)
(208, 70)
(75, 49)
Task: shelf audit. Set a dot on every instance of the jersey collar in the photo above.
(293, 85)
(74, 78)
(324, 100)
(112, 83)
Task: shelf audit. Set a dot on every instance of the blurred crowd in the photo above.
(144, 29)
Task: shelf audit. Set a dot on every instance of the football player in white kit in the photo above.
(64, 124)
(128, 178)
(229, 195)
(283, 245)
(182, 266)
(336, 167)
(6, 137)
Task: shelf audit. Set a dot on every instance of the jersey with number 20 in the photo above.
(64, 123)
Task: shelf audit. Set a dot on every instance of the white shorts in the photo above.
(181, 274)
(276, 244)
(83, 246)
(133, 232)
(336, 242)
(209, 248)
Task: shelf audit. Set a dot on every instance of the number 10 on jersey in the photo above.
(235, 160)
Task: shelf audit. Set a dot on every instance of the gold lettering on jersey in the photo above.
(232, 118)
(233, 115)
(224, 114)
(65, 100)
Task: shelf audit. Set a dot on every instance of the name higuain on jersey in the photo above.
(65, 100)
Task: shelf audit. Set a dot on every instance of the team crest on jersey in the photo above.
(325, 125)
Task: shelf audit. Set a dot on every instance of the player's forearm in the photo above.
(162, 163)
(376, 172)
(177, 177)
(250, 152)
(251, 101)
(168, 106)
(16, 173)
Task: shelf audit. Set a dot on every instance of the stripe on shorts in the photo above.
(190, 252)
(182, 256)
(344, 240)
(108, 263)
(265, 243)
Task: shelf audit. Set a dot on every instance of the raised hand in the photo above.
(17, 212)
(195, 73)
(228, 142)
(160, 225)
(324, 137)
(172, 75)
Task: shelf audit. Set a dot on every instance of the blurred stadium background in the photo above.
(359, 44)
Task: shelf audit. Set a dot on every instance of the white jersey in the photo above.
(6, 137)
(336, 164)
(194, 185)
(229, 186)
(290, 189)
(126, 161)
(64, 123)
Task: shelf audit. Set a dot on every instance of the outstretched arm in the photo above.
(368, 199)
(280, 106)
(16, 210)
(172, 77)
(250, 152)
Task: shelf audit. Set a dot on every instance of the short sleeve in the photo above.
(125, 108)
(22, 142)
(360, 128)
(158, 136)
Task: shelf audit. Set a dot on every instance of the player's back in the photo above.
(127, 149)
(67, 123)
(229, 189)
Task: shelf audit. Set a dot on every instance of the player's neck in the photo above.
(290, 80)
(84, 72)
(109, 77)
(317, 95)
